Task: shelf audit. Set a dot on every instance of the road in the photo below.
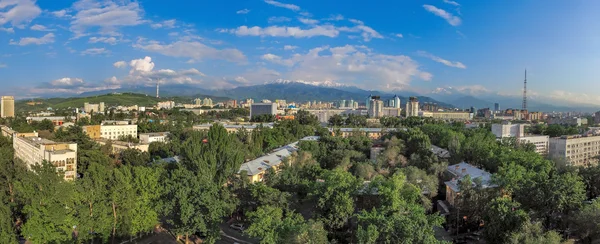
(231, 236)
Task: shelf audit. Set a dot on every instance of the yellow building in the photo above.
(7, 105)
(34, 150)
(110, 132)
(93, 131)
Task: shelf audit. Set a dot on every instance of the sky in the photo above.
(473, 47)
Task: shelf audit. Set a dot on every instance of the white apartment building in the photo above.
(165, 105)
(577, 150)
(34, 150)
(375, 108)
(110, 132)
(147, 138)
(542, 143)
(508, 130)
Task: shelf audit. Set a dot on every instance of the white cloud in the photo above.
(192, 49)
(3, 66)
(336, 17)
(48, 38)
(120, 64)
(307, 21)
(40, 28)
(94, 51)
(572, 97)
(108, 16)
(355, 21)
(441, 60)
(140, 65)
(451, 19)
(243, 11)
(452, 2)
(67, 82)
(143, 72)
(399, 35)
(283, 31)
(17, 12)
(277, 19)
(329, 30)
(60, 13)
(109, 40)
(7, 30)
(240, 79)
(350, 65)
(289, 47)
(168, 24)
(283, 5)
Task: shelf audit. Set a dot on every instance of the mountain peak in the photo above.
(326, 83)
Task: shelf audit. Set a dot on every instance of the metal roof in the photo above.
(272, 159)
(459, 171)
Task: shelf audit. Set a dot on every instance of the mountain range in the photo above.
(302, 91)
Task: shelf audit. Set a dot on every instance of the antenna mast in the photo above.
(525, 92)
(157, 85)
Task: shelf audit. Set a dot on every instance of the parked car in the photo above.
(237, 226)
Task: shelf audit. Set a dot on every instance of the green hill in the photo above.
(113, 99)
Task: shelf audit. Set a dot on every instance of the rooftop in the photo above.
(156, 134)
(440, 152)
(459, 171)
(364, 129)
(272, 159)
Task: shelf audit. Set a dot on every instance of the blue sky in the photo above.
(475, 47)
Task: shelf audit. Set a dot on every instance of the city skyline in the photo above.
(464, 46)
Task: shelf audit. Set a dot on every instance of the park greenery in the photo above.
(330, 191)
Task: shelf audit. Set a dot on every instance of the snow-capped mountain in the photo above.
(326, 83)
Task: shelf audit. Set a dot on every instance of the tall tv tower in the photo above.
(157, 85)
(525, 92)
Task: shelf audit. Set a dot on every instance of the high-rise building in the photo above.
(375, 107)
(396, 101)
(7, 107)
(34, 150)
(496, 107)
(351, 103)
(95, 108)
(343, 104)
(257, 109)
(368, 101)
(197, 102)
(412, 107)
(207, 102)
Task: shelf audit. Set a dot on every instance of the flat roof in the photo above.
(155, 133)
(364, 129)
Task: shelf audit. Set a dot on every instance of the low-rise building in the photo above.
(56, 120)
(7, 131)
(165, 105)
(392, 112)
(373, 133)
(147, 138)
(110, 132)
(508, 130)
(34, 150)
(256, 169)
(542, 143)
(446, 115)
(119, 146)
(257, 109)
(457, 173)
(576, 150)
(233, 128)
(568, 121)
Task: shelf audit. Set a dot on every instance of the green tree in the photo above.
(48, 203)
(306, 118)
(94, 212)
(502, 218)
(192, 203)
(533, 233)
(336, 120)
(134, 157)
(85, 158)
(586, 222)
(367, 235)
(335, 193)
